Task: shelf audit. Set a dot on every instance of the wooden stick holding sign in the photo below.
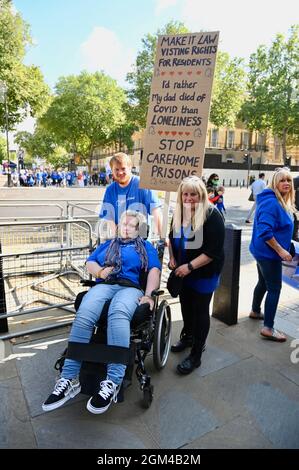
(165, 215)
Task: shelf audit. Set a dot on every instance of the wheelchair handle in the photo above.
(157, 292)
(87, 282)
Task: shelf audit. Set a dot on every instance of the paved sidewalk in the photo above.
(245, 394)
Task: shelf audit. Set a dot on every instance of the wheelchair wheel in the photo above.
(147, 396)
(162, 335)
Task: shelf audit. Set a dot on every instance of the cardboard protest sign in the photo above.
(290, 269)
(178, 109)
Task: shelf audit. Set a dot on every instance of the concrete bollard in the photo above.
(226, 297)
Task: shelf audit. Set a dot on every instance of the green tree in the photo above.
(59, 158)
(141, 77)
(273, 101)
(41, 144)
(122, 136)
(85, 112)
(26, 89)
(229, 89)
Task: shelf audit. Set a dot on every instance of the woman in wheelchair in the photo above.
(117, 264)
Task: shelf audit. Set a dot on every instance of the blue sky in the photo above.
(72, 35)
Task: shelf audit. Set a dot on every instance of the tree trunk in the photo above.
(284, 147)
(90, 164)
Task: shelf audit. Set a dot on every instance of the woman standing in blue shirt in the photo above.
(197, 255)
(117, 264)
(270, 245)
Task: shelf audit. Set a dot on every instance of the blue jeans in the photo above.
(269, 280)
(121, 310)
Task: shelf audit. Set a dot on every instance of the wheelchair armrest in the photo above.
(87, 282)
(157, 292)
(142, 314)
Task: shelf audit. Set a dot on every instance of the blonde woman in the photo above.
(196, 254)
(270, 245)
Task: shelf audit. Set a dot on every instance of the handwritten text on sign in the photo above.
(178, 109)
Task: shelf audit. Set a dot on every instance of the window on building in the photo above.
(260, 141)
(214, 137)
(245, 140)
(230, 139)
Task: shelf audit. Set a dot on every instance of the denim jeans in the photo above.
(251, 211)
(121, 310)
(269, 280)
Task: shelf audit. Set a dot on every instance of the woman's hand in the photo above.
(145, 299)
(104, 273)
(285, 255)
(172, 263)
(182, 271)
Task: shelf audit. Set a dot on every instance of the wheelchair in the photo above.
(150, 331)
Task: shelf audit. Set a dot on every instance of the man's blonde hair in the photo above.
(120, 157)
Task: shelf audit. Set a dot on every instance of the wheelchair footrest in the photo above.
(94, 352)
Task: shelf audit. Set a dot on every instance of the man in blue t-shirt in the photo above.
(124, 193)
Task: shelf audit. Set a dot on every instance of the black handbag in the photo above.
(251, 197)
(175, 283)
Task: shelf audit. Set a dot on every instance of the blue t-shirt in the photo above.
(117, 200)
(130, 259)
(201, 285)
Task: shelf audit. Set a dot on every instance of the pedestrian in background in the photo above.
(220, 202)
(256, 188)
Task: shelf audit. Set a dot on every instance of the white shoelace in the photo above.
(61, 385)
(108, 387)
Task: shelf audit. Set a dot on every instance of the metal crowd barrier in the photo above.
(58, 208)
(41, 266)
(71, 207)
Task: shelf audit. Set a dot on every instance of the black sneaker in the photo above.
(183, 343)
(100, 402)
(64, 390)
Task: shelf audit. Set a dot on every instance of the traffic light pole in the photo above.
(3, 91)
(247, 159)
(7, 141)
(248, 168)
